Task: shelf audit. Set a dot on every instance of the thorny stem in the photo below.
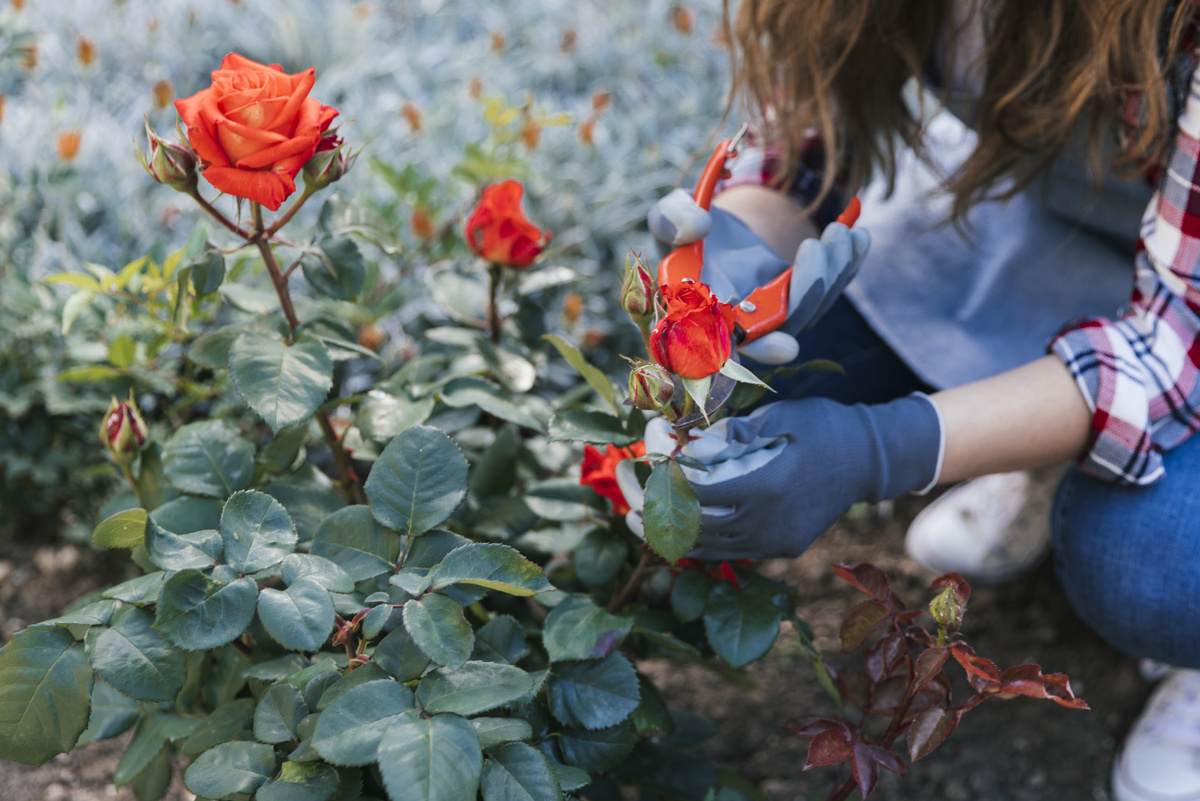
(259, 238)
(291, 212)
(631, 587)
(221, 218)
(493, 305)
(349, 486)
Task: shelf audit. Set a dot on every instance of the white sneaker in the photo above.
(1160, 760)
(989, 529)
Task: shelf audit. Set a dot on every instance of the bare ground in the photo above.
(1020, 749)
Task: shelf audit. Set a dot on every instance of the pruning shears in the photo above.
(764, 309)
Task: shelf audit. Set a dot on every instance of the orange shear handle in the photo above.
(686, 261)
(766, 307)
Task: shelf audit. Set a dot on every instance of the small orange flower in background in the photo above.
(531, 133)
(599, 471)
(29, 54)
(164, 93)
(68, 144)
(255, 128)
(693, 339)
(498, 230)
(601, 99)
(85, 50)
(2, 98)
(497, 41)
(412, 115)
(371, 337)
(569, 39)
(18, 4)
(572, 307)
(423, 225)
(587, 131)
(684, 19)
(475, 87)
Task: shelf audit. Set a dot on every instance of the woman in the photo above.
(1083, 158)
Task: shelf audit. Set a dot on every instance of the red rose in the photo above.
(255, 128)
(498, 230)
(599, 471)
(693, 340)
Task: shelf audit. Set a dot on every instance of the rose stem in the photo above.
(221, 218)
(493, 306)
(287, 215)
(633, 585)
(350, 487)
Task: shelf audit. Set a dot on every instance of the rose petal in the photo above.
(196, 111)
(276, 153)
(261, 186)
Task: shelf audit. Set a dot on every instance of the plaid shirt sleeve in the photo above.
(1140, 374)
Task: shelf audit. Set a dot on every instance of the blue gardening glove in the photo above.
(736, 262)
(780, 476)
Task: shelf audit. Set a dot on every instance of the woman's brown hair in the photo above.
(839, 67)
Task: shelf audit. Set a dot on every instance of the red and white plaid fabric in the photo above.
(1141, 373)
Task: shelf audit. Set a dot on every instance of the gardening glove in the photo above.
(780, 476)
(736, 262)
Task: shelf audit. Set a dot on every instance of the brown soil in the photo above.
(1020, 749)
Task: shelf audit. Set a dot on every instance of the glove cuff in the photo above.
(908, 440)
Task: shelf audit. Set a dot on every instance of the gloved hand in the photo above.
(736, 262)
(780, 476)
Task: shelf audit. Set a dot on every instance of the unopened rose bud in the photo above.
(650, 387)
(947, 609)
(170, 163)
(637, 290)
(122, 432)
(329, 163)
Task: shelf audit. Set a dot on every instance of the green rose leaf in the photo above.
(561, 499)
(672, 512)
(399, 656)
(123, 530)
(518, 772)
(134, 658)
(300, 617)
(279, 714)
(594, 376)
(352, 539)
(197, 612)
(501, 639)
(473, 688)
(471, 391)
(430, 759)
(595, 751)
(198, 549)
(211, 350)
(494, 731)
(301, 781)
(145, 747)
(598, 428)
(230, 768)
(419, 479)
(208, 271)
(439, 629)
(383, 416)
(349, 730)
(741, 626)
(257, 532)
(283, 383)
(151, 784)
(491, 565)
(45, 686)
(321, 570)
(113, 712)
(337, 271)
(689, 594)
(188, 514)
(594, 693)
(578, 629)
(598, 558)
(208, 458)
(229, 721)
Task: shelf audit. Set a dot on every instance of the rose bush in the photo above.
(254, 128)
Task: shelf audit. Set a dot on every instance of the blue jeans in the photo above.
(1128, 558)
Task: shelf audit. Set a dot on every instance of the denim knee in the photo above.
(1128, 559)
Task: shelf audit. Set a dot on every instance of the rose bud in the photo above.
(122, 432)
(650, 387)
(329, 163)
(947, 609)
(637, 290)
(499, 231)
(693, 340)
(170, 163)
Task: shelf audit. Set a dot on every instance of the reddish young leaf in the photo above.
(929, 664)
(860, 622)
(935, 693)
(867, 578)
(1029, 680)
(889, 694)
(888, 760)
(929, 729)
(961, 588)
(864, 769)
(812, 726)
(882, 657)
(982, 673)
(830, 747)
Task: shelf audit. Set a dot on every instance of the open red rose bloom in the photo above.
(693, 340)
(254, 128)
(599, 471)
(498, 230)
